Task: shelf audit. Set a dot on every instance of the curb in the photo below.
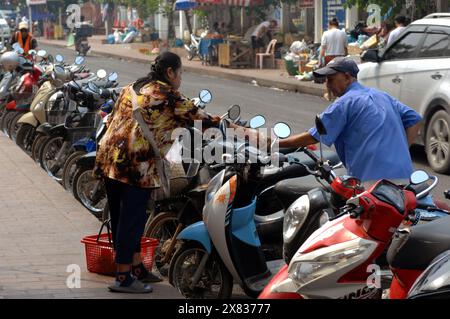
(303, 88)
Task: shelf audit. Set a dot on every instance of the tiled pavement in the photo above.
(41, 226)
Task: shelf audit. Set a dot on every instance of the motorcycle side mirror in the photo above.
(79, 60)
(282, 130)
(16, 46)
(59, 58)
(257, 121)
(42, 53)
(113, 77)
(419, 177)
(32, 52)
(320, 127)
(234, 112)
(101, 74)
(205, 96)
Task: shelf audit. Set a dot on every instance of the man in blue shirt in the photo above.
(371, 130)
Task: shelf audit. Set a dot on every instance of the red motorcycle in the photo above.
(21, 96)
(338, 260)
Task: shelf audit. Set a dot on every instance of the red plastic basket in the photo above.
(100, 255)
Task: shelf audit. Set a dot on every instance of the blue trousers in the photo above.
(127, 207)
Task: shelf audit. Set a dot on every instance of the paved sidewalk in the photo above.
(277, 78)
(41, 226)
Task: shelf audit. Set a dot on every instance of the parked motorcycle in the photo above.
(336, 261)
(434, 282)
(194, 48)
(58, 147)
(214, 252)
(56, 76)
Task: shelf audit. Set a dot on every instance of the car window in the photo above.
(435, 45)
(405, 48)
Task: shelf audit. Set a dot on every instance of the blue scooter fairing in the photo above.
(197, 232)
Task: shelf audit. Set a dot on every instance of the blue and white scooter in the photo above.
(225, 247)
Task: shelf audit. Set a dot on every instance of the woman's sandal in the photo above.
(136, 287)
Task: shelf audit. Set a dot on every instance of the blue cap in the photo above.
(339, 64)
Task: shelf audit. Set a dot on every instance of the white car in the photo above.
(5, 31)
(415, 70)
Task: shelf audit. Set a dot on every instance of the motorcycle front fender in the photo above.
(58, 130)
(28, 118)
(87, 160)
(44, 129)
(197, 232)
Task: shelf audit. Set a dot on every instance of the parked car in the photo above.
(415, 70)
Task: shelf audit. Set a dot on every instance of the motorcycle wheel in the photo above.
(14, 126)
(25, 137)
(162, 228)
(47, 156)
(215, 282)
(83, 188)
(69, 169)
(37, 146)
(7, 118)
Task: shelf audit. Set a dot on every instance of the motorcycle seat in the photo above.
(296, 170)
(416, 250)
(289, 190)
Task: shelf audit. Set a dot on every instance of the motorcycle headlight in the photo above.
(294, 217)
(434, 280)
(214, 186)
(326, 260)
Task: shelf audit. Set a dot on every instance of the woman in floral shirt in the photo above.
(126, 161)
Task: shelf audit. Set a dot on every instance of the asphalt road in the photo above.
(298, 110)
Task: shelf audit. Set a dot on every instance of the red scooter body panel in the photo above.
(380, 220)
(338, 231)
(11, 105)
(279, 277)
(402, 282)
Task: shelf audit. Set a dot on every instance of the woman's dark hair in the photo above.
(334, 22)
(158, 72)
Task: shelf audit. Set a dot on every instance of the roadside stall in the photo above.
(231, 51)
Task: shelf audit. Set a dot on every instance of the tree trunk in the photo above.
(188, 22)
(231, 24)
(171, 27)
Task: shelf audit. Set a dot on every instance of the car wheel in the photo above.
(437, 142)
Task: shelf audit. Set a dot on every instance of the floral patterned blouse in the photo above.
(124, 153)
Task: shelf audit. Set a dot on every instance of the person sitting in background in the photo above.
(400, 24)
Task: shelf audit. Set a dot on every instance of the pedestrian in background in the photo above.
(334, 44)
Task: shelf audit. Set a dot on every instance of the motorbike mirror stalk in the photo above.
(322, 131)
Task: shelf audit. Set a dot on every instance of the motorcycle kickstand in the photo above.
(172, 244)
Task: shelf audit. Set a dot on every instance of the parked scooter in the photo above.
(214, 253)
(40, 111)
(434, 282)
(335, 260)
(194, 48)
(21, 95)
(58, 147)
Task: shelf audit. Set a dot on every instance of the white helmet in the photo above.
(10, 58)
